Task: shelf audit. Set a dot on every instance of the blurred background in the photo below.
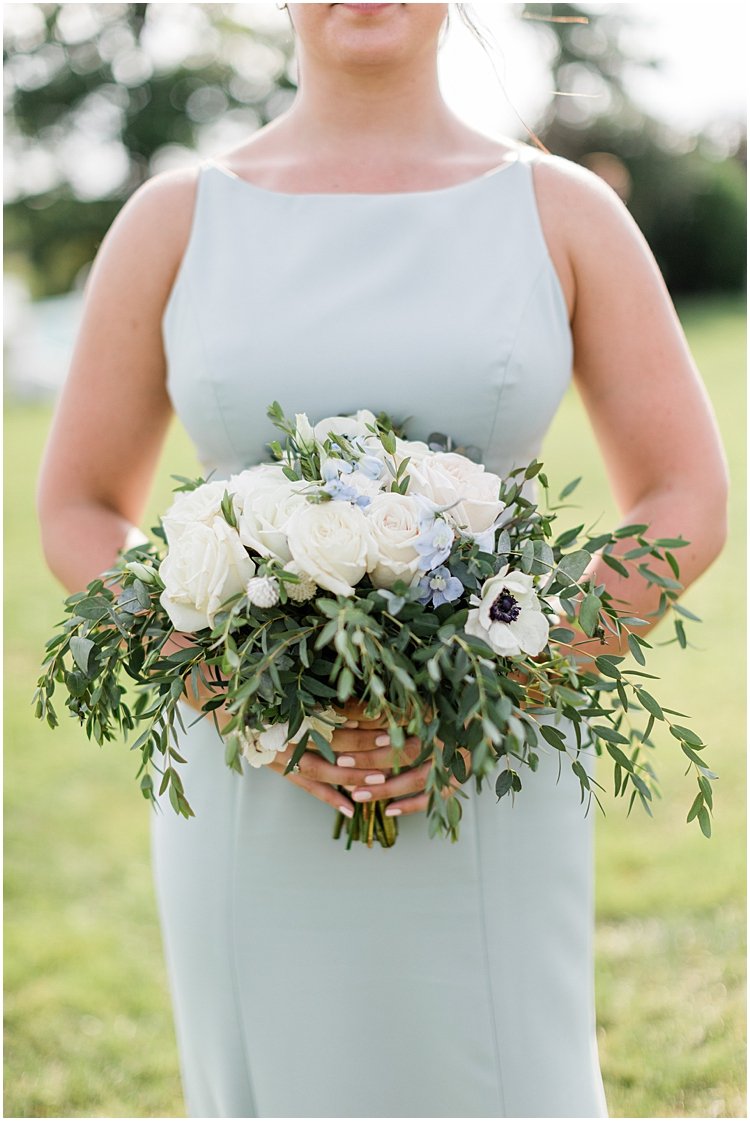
(98, 98)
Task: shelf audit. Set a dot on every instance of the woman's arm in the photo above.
(113, 412)
(638, 381)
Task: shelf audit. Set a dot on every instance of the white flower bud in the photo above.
(143, 572)
(263, 591)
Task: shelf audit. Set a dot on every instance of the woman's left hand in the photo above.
(408, 785)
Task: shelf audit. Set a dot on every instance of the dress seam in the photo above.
(233, 950)
(488, 971)
(511, 352)
(209, 375)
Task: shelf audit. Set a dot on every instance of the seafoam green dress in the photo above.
(431, 979)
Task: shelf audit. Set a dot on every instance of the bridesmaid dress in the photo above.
(431, 979)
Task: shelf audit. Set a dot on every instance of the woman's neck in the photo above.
(367, 117)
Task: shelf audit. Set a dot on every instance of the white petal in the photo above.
(184, 617)
(531, 630)
(503, 640)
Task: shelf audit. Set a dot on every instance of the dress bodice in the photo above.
(440, 307)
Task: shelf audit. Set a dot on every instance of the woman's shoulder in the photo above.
(163, 203)
(153, 226)
(585, 222)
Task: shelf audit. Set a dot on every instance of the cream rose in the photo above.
(263, 513)
(331, 544)
(346, 426)
(190, 507)
(450, 479)
(416, 450)
(394, 525)
(204, 567)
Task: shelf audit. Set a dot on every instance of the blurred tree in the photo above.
(688, 198)
(101, 96)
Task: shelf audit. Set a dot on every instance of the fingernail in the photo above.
(374, 779)
(361, 795)
(347, 810)
(345, 761)
(392, 811)
(382, 741)
(352, 724)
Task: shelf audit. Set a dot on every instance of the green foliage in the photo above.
(394, 654)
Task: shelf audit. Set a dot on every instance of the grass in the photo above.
(89, 1030)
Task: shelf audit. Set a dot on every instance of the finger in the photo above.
(324, 793)
(382, 758)
(354, 711)
(355, 739)
(408, 782)
(313, 766)
(404, 806)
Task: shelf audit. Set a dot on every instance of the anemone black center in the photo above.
(505, 608)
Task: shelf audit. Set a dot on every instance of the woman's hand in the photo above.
(366, 745)
(362, 761)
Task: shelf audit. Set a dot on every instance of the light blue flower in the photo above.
(439, 586)
(434, 543)
(371, 466)
(331, 469)
(339, 491)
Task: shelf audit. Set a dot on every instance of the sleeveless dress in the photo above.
(431, 979)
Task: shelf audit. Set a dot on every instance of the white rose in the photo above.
(346, 426)
(394, 525)
(481, 506)
(508, 617)
(205, 566)
(253, 479)
(450, 479)
(416, 450)
(192, 507)
(331, 544)
(263, 514)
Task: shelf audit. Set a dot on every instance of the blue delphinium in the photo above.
(440, 586)
(434, 542)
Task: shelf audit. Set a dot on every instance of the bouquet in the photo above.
(361, 565)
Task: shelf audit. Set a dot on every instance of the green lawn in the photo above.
(88, 1024)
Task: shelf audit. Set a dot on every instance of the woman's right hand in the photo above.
(361, 762)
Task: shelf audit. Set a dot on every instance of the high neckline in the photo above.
(492, 173)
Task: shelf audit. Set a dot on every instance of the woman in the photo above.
(368, 249)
